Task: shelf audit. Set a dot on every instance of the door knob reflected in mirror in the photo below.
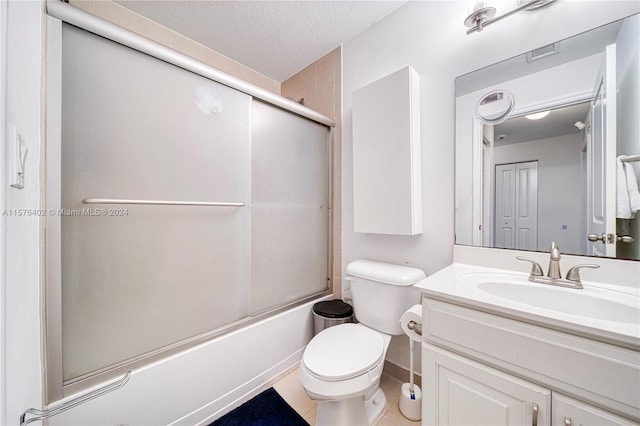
(626, 239)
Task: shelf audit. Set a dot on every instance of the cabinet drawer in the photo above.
(603, 374)
(570, 412)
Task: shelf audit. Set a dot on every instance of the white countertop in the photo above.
(453, 284)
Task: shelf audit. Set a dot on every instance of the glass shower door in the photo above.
(186, 208)
(136, 278)
(290, 209)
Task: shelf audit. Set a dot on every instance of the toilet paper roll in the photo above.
(413, 314)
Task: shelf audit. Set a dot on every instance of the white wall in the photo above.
(431, 37)
(3, 89)
(21, 357)
(559, 187)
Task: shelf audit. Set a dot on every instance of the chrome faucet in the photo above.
(554, 262)
(554, 277)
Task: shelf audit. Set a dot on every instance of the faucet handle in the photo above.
(574, 273)
(536, 269)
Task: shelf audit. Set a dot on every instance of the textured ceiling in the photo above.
(275, 38)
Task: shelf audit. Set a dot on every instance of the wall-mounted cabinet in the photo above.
(386, 155)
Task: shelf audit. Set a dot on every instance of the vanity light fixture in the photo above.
(537, 115)
(482, 14)
(479, 13)
(532, 5)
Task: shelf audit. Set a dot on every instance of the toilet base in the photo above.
(360, 411)
(374, 405)
(342, 412)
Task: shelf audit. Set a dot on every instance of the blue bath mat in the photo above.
(265, 409)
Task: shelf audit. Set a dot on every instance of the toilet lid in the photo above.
(343, 351)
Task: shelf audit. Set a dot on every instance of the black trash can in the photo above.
(329, 313)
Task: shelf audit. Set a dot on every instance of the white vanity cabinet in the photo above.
(485, 368)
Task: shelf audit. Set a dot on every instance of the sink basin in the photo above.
(568, 301)
(606, 311)
(591, 302)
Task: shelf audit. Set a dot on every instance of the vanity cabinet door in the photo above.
(570, 412)
(458, 391)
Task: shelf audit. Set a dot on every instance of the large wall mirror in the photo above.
(562, 164)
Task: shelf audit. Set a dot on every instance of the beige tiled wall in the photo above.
(136, 23)
(320, 84)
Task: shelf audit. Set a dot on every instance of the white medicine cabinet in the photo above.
(386, 155)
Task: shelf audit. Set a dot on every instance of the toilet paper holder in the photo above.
(414, 326)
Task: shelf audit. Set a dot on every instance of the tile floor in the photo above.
(291, 390)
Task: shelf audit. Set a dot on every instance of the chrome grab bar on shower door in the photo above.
(159, 202)
(45, 414)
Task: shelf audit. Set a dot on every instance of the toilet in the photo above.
(342, 365)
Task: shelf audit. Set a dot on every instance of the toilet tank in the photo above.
(382, 292)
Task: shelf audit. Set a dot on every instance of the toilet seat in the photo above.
(343, 352)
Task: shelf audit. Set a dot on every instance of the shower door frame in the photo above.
(56, 388)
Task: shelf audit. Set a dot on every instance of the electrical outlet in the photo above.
(17, 157)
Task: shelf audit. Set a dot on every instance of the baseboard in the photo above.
(401, 373)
